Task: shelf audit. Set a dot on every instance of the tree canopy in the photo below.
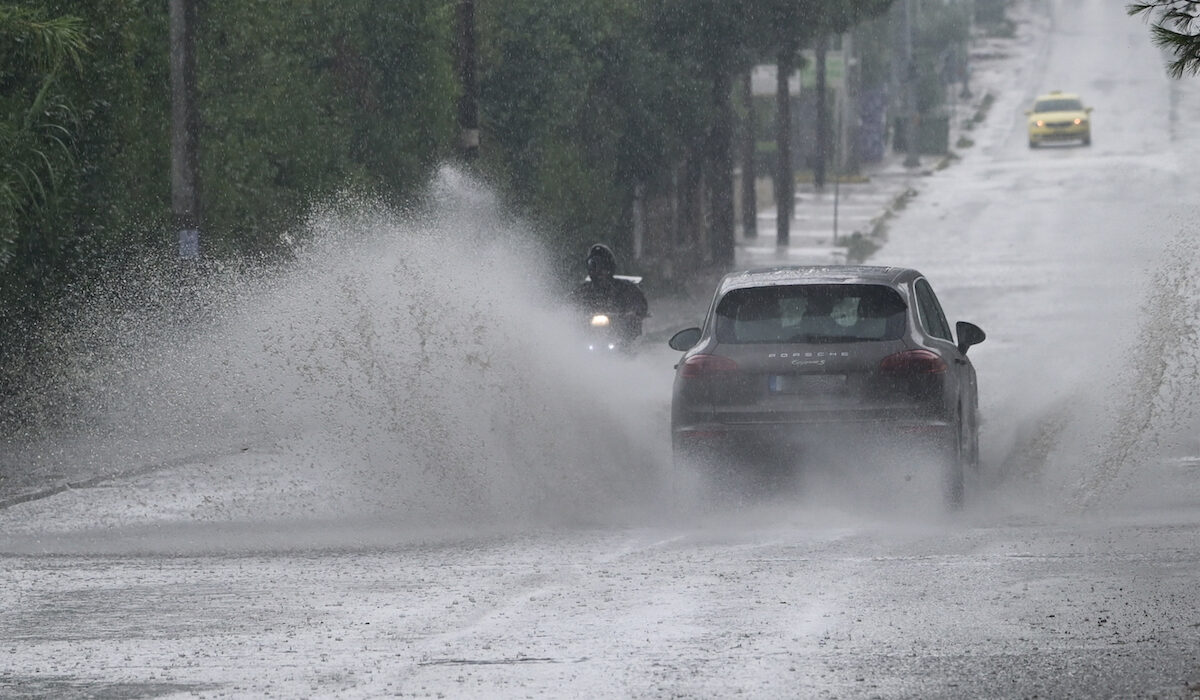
(1176, 28)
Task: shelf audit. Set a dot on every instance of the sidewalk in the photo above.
(838, 224)
(842, 224)
(856, 212)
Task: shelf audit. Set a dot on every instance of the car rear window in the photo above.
(1058, 105)
(810, 313)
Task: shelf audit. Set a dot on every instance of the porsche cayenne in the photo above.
(789, 355)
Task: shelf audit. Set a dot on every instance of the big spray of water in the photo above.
(1152, 416)
(412, 367)
(1111, 420)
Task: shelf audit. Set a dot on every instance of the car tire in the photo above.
(1032, 143)
(972, 459)
(954, 458)
(1087, 140)
(725, 474)
(699, 462)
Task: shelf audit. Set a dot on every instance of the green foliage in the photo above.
(990, 12)
(583, 102)
(302, 99)
(124, 103)
(873, 43)
(35, 123)
(297, 101)
(783, 27)
(841, 15)
(1176, 29)
(859, 248)
(940, 33)
(34, 39)
(578, 108)
(985, 106)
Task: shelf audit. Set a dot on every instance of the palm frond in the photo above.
(51, 41)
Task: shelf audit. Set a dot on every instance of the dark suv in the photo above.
(788, 355)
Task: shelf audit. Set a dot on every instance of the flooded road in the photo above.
(529, 538)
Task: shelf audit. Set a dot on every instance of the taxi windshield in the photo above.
(1058, 105)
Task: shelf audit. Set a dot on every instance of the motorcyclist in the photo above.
(603, 293)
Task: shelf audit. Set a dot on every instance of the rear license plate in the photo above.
(807, 383)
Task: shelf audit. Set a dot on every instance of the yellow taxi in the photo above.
(1059, 116)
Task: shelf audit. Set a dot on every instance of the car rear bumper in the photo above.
(810, 428)
(725, 440)
(1074, 133)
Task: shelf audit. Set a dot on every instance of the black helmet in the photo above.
(601, 263)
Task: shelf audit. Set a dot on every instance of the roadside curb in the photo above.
(98, 479)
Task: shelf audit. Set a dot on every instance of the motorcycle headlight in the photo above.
(600, 320)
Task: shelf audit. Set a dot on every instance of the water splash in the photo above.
(1154, 406)
(409, 366)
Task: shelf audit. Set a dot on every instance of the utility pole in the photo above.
(468, 102)
(821, 50)
(185, 198)
(837, 172)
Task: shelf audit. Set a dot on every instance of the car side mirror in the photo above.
(1028, 111)
(1088, 110)
(685, 339)
(968, 334)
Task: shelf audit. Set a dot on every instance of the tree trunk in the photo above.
(185, 195)
(749, 162)
(785, 183)
(850, 122)
(691, 235)
(720, 170)
(468, 101)
(913, 157)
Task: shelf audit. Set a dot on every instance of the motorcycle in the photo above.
(610, 332)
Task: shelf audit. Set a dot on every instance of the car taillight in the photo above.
(698, 366)
(913, 362)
